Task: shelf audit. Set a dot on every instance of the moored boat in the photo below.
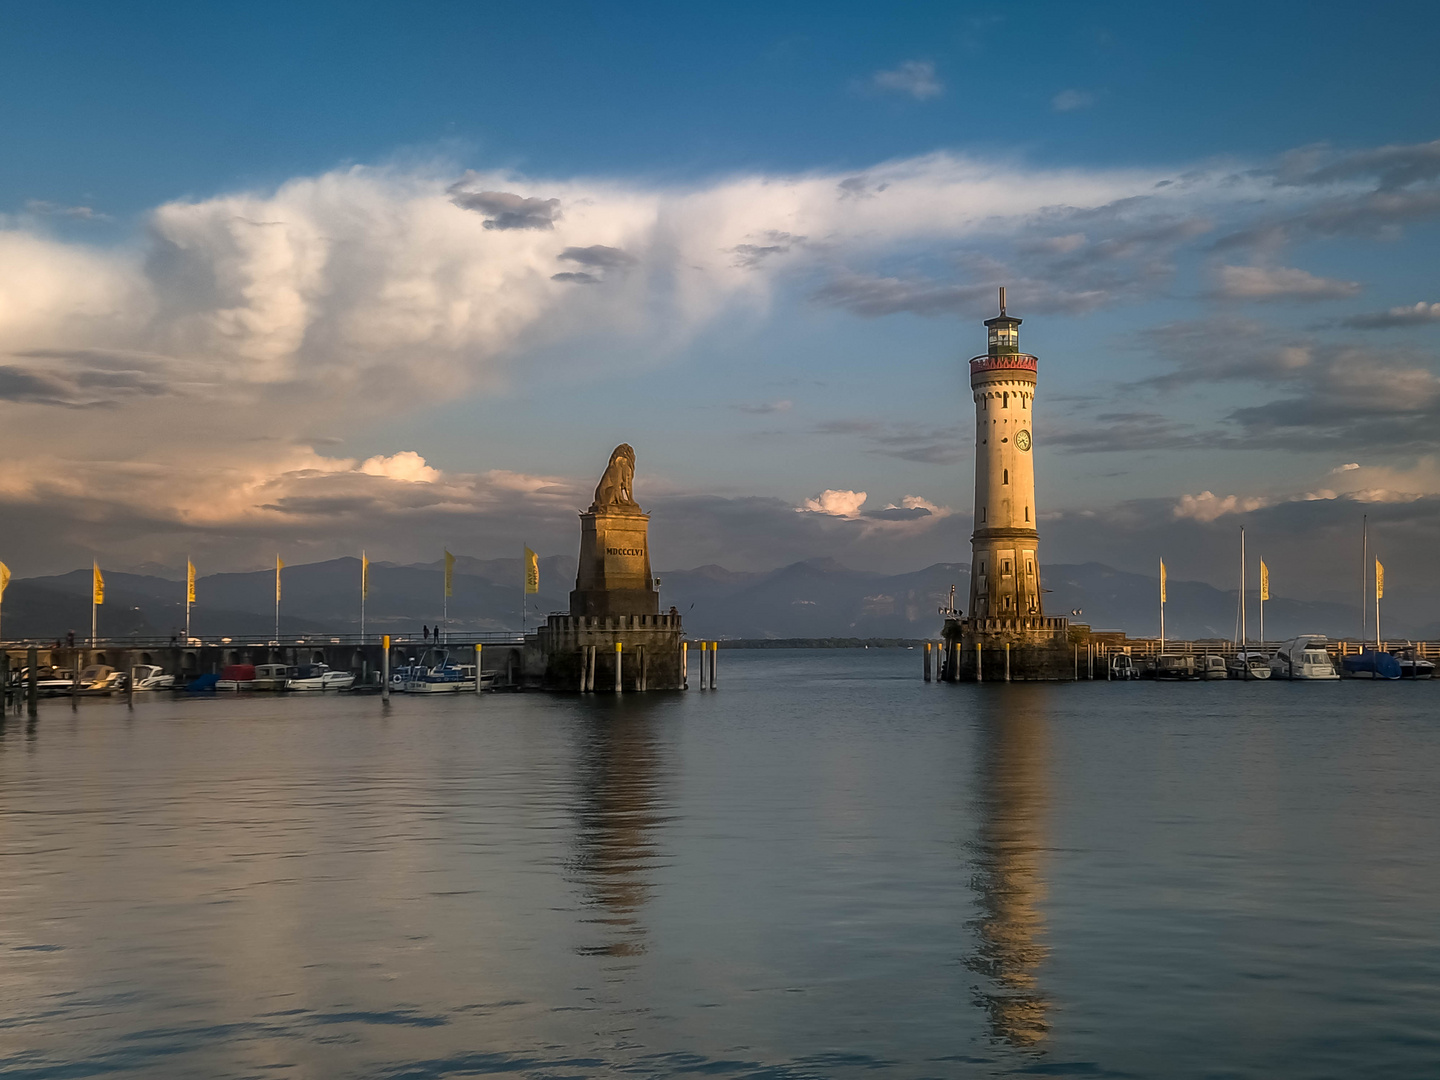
(1370, 665)
(1175, 666)
(1412, 664)
(236, 677)
(271, 676)
(1249, 665)
(1212, 666)
(1303, 657)
(151, 677)
(319, 677)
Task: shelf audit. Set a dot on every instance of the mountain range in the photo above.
(810, 599)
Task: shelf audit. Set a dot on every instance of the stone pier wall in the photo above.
(1041, 649)
(651, 640)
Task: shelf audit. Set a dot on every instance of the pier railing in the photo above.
(269, 641)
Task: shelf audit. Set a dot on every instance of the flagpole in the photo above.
(1162, 605)
(1378, 589)
(1364, 577)
(364, 588)
(1264, 588)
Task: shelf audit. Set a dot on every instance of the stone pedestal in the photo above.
(1041, 649)
(614, 576)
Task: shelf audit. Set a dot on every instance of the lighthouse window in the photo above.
(1007, 476)
(1007, 566)
(1030, 568)
(1027, 513)
(982, 521)
(1005, 403)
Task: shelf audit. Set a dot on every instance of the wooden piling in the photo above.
(129, 680)
(478, 647)
(1007, 661)
(704, 659)
(684, 665)
(927, 661)
(714, 662)
(979, 662)
(643, 669)
(32, 690)
(385, 668)
(619, 687)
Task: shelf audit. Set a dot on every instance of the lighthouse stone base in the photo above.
(1040, 649)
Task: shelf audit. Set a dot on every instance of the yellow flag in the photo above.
(532, 571)
(364, 576)
(279, 565)
(4, 579)
(449, 574)
(1162, 581)
(189, 581)
(1379, 581)
(1264, 581)
(99, 586)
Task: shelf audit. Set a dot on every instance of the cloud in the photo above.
(1071, 100)
(1279, 283)
(765, 408)
(1415, 315)
(599, 255)
(406, 465)
(504, 210)
(913, 77)
(1393, 167)
(41, 208)
(835, 503)
(1207, 506)
(576, 277)
(776, 243)
(1351, 467)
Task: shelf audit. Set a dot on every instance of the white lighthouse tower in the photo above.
(1005, 633)
(1004, 566)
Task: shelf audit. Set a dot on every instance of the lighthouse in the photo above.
(1005, 633)
(1004, 549)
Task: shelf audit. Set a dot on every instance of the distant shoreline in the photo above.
(822, 643)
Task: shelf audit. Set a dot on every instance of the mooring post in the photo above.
(1090, 660)
(714, 662)
(927, 661)
(684, 665)
(619, 688)
(385, 668)
(704, 659)
(979, 661)
(591, 662)
(32, 691)
(644, 659)
(478, 648)
(1076, 676)
(129, 680)
(1007, 661)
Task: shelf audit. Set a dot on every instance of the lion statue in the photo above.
(615, 487)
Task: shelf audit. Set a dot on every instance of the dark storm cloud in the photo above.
(598, 255)
(576, 277)
(505, 210)
(1375, 214)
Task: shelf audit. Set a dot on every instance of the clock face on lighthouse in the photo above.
(1022, 440)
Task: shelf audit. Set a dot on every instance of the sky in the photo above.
(312, 278)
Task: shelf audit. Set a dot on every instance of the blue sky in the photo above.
(253, 269)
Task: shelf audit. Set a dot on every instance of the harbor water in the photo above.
(826, 868)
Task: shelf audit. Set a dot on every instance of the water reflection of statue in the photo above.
(616, 486)
(1008, 881)
(618, 812)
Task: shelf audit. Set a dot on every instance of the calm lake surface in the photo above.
(827, 868)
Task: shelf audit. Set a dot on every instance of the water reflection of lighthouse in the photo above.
(618, 810)
(1008, 849)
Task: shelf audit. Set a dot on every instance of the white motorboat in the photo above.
(1249, 665)
(151, 677)
(60, 681)
(444, 678)
(1303, 657)
(1212, 666)
(1122, 666)
(1412, 664)
(1176, 666)
(99, 680)
(271, 676)
(320, 677)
